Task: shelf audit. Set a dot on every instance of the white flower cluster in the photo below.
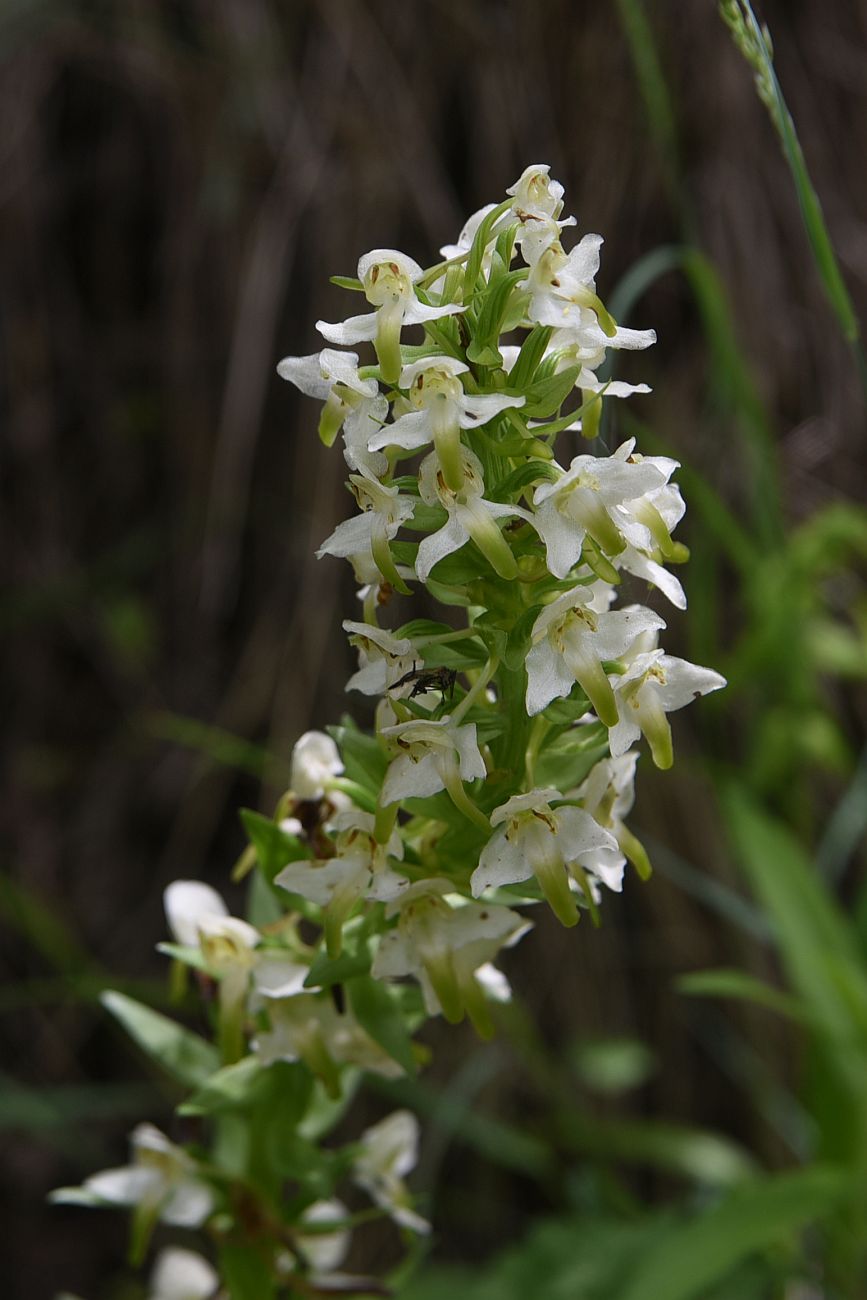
(501, 767)
(562, 537)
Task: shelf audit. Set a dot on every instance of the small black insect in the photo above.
(430, 679)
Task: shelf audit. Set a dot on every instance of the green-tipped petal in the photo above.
(600, 525)
(447, 441)
(441, 973)
(634, 851)
(450, 773)
(590, 676)
(591, 414)
(477, 1006)
(652, 719)
(380, 549)
(336, 913)
(389, 319)
(482, 527)
(554, 883)
(232, 1007)
(331, 419)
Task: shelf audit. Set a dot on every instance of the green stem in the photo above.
(476, 689)
(540, 729)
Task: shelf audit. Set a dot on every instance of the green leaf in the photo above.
(193, 957)
(448, 595)
(425, 518)
(545, 396)
(756, 1217)
(246, 1273)
(379, 1011)
(505, 244)
(274, 847)
(461, 567)
(518, 644)
(229, 1087)
(528, 359)
(76, 1196)
(362, 757)
(738, 984)
(180, 1052)
(489, 724)
(482, 349)
(437, 807)
(264, 908)
(326, 971)
(495, 636)
(818, 948)
(568, 710)
(568, 758)
(347, 282)
(477, 249)
(529, 473)
(418, 628)
(323, 1112)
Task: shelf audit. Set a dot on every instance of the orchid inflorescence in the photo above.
(501, 764)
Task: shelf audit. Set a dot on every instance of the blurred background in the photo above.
(178, 181)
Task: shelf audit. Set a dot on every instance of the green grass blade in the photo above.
(754, 43)
(757, 1217)
(654, 91)
(738, 984)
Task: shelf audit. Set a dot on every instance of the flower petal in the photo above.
(355, 329)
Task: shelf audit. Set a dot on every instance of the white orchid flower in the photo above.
(383, 510)
(383, 659)
(537, 202)
(351, 403)
(387, 1153)
(162, 1182)
(535, 194)
(180, 1274)
(655, 515)
(373, 589)
(608, 793)
(648, 520)
(581, 502)
(186, 902)
(323, 1251)
(198, 917)
(470, 515)
(315, 761)
(570, 643)
(586, 347)
(562, 287)
(654, 685)
(388, 278)
(308, 1027)
(358, 870)
(445, 947)
(467, 235)
(441, 410)
(554, 845)
(642, 566)
(279, 977)
(432, 756)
